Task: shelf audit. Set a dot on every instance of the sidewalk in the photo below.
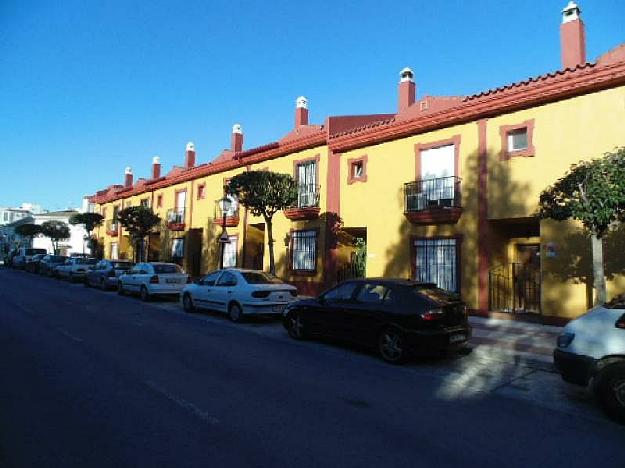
(526, 343)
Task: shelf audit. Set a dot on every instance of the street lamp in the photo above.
(224, 204)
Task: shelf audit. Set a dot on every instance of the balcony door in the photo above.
(437, 173)
(181, 200)
(307, 184)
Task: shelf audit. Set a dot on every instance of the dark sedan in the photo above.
(397, 317)
(105, 274)
(32, 264)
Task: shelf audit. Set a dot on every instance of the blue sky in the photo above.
(90, 87)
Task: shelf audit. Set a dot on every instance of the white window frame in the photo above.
(511, 135)
(230, 252)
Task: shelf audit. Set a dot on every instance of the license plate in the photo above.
(457, 338)
(171, 281)
(278, 308)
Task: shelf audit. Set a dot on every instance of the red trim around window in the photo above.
(304, 161)
(201, 191)
(350, 172)
(505, 130)
(413, 255)
(290, 256)
(419, 147)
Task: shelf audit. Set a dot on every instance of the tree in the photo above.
(264, 193)
(89, 221)
(139, 221)
(56, 231)
(28, 230)
(592, 192)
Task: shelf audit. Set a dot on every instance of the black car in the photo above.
(398, 317)
(32, 264)
(49, 263)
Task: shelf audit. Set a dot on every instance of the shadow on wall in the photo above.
(210, 246)
(574, 263)
(504, 196)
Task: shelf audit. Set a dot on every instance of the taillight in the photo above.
(154, 279)
(261, 294)
(434, 314)
(620, 323)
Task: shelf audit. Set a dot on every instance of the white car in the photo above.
(74, 268)
(238, 293)
(152, 279)
(591, 352)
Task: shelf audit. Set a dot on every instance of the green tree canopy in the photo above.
(89, 220)
(28, 230)
(56, 231)
(264, 193)
(139, 221)
(592, 192)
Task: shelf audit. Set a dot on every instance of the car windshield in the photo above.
(35, 251)
(258, 277)
(167, 268)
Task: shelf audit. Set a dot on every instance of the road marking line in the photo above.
(67, 334)
(183, 403)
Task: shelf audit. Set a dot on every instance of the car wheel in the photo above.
(144, 294)
(295, 326)
(103, 284)
(235, 312)
(120, 289)
(70, 278)
(391, 345)
(611, 392)
(187, 303)
(86, 282)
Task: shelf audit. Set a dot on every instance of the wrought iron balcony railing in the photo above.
(175, 218)
(433, 201)
(428, 194)
(112, 227)
(308, 196)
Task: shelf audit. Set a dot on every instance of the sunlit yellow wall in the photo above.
(565, 132)
(204, 212)
(378, 205)
(282, 225)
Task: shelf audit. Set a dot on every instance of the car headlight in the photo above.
(565, 339)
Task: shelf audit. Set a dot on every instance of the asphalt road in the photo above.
(89, 379)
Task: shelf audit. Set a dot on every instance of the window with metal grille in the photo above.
(304, 250)
(436, 262)
(307, 184)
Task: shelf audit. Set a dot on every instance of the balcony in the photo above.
(307, 204)
(433, 201)
(112, 228)
(175, 219)
(232, 214)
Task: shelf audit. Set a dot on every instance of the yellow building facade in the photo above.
(445, 190)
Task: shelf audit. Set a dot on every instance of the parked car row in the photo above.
(398, 318)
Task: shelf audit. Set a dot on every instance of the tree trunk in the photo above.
(272, 263)
(597, 270)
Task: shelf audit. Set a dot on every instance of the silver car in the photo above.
(74, 268)
(238, 293)
(153, 279)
